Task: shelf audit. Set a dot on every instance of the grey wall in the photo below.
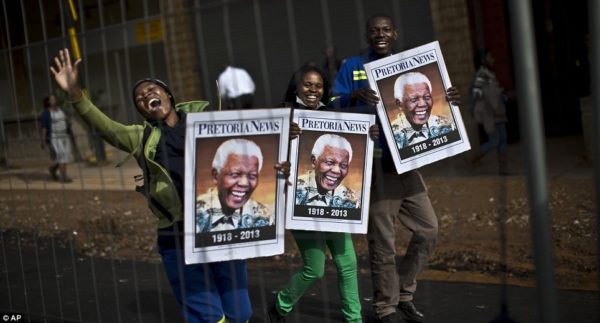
(310, 24)
(269, 38)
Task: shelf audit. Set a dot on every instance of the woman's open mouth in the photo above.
(154, 104)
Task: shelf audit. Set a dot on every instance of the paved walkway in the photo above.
(53, 283)
(86, 176)
(565, 157)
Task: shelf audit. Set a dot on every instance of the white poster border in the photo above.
(435, 148)
(234, 124)
(332, 219)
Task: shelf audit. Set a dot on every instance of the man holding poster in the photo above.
(392, 195)
(330, 159)
(235, 173)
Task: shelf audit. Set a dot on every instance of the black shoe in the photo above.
(391, 318)
(409, 312)
(274, 316)
(52, 172)
(65, 180)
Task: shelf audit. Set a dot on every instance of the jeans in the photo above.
(208, 292)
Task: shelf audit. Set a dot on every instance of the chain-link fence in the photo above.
(85, 251)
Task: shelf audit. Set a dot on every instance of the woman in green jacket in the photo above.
(213, 292)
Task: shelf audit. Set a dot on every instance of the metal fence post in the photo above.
(594, 13)
(531, 126)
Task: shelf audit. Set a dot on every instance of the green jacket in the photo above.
(129, 139)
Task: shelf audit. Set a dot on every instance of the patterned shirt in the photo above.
(406, 135)
(307, 194)
(210, 216)
(60, 124)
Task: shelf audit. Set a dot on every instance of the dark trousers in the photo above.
(208, 292)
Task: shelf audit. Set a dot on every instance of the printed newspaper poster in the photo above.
(331, 172)
(420, 125)
(234, 198)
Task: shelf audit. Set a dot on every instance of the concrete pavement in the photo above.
(55, 284)
(51, 282)
(565, 156)
(86, 176)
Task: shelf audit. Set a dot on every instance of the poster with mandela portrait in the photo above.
(331, 172)
(234, 198)
(420, 125)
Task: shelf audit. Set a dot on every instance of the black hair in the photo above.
(297, 78)
(371, 18)
(157, 82)
(47, 101)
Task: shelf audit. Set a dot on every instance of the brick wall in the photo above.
(451, 28)
(180, 47)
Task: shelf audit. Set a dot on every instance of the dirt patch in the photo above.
(476, 214)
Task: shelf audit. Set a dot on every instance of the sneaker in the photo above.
(409, 312)
(66, 180)
(274, 316)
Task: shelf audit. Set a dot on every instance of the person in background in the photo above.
(331, 62)
(393, 284)
(489, 110)
(56, 136)
(236, 88)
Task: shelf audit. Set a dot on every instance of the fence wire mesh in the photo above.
(84, 251)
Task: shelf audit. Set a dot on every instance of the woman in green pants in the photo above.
(308, 89)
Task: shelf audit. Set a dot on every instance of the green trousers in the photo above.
(312, 246)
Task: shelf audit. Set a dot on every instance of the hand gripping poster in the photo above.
(420, 125)
(234, 197)
(330, 172)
